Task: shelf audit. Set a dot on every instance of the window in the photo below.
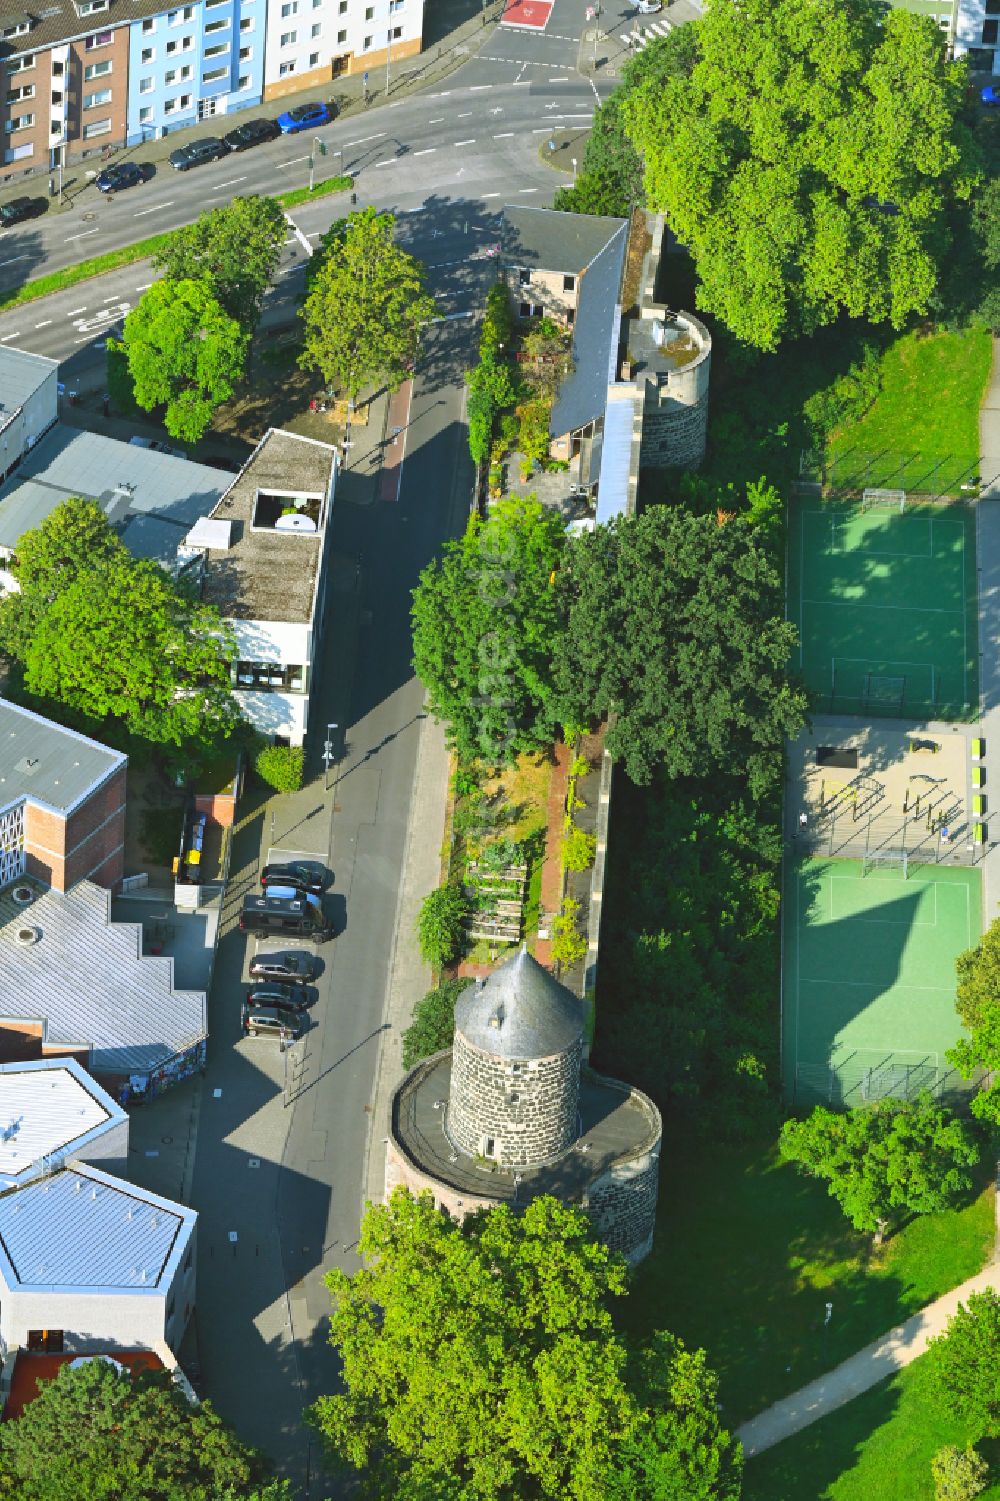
(524, 310)
(246, 54)
(19, 122)
(171, 1307)
(341, 36)
(290, 8)
(97, 128)
(990, 33)
(26, 91)
(247, 23)
(185, 73)
(96, 70)
(214, 4)
(268, 675)
(342, 8)
(18, 29)
(217, 50)
(169, 105)
(569, 283)
(171, 47)
(18, 153)
(90, 7)
(316, 29)
(370, 13)
(20, 64)
(489, 1147)
(148, 26)
(395, 5)
(145, 114)
(244, 82)
(288, 37)
(397, 32)
(170, 76)
(185, 101)
(314, 59)
(366, 44)
(188, 1259)
(524, 277)
(103, 96)
(216, 25)
(285, 68)
(214, 75)
(50, 1340)
(98, 39)
(176, 17)
(145, 85)
(148, 55)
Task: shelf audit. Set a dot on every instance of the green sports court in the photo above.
(884, 597)
(868, 983)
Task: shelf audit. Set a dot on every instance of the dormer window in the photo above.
(20, 27)
(91, 7)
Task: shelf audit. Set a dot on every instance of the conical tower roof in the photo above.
(520, 1011)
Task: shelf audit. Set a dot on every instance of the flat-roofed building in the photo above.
(51, 1111)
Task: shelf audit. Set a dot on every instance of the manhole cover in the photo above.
(166, 1140)
(253, 1162)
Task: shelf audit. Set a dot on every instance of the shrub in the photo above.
(497, 322)
(433, 1024)
(568, 943)
(578, 848)
(845, 399)
(501, 853)
(281, 767)
(959, 1474)
(533, 434)
(439, 926)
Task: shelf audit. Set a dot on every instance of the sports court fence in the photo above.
(857, 822)
(937, 477)
(846, 1085)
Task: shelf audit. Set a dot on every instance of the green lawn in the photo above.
(748, 1253)
(932, 386)
(878, 1446)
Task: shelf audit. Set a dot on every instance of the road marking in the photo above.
(5, 337)
(296, 231)
(470, 142)
(13, 259)
(477, 88)
(145, 286)
(504, 135)
(438, 121)
(115, 297)
(389, 162)
(144, 211)
(230, 183)
(294, 162)
(527, 190)
(82, 236)
(558, 80)
(44, 323)
(76, 312)
(492, 195)
(427, 151)
(377, 137)
(466, 115)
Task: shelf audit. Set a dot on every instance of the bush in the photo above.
(433, 1024)
(439, 926)
(568, 943)
(501, 853)
(497, 323)
(281, 767)
(533, 434)
(578, 849)
(959, 1474)
(847, 398)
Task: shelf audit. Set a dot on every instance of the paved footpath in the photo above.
(988, 559)
(861, 1371)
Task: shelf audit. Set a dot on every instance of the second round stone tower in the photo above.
(515, 1077)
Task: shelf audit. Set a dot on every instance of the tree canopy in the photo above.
(366, 305)
(184, 351)
(109, 635)
(433, 1024)
(99, 1434)
(676, 628)
(234, 249)
(808, 161)
(486, 624)
(480, 1362)
(977, 1001)
(965, 1363)
(885, 1161)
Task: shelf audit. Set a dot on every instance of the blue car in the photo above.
(991, 95)
(305, 117)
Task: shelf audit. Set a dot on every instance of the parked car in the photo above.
(305, 117)
(290, 966)
(208, 149)
(647, 7)
(251, 133)
(281, 912)
(991, 95)
(118, 176)
(271, 1021)
(299, 874)
(284, 997)
(158, 447)
(21, 208)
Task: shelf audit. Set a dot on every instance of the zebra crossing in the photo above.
(638, 39)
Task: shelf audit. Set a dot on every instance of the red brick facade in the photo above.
(88, 845)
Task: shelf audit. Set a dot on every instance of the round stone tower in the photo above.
(515, 1076)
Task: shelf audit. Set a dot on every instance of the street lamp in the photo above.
(388, 56)
(328, 756)
(319, 146)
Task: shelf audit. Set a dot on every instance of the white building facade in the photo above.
(311, 42)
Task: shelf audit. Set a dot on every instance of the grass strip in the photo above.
(127, 255)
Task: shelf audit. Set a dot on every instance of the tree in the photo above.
(802, 177)
(676, 628)
(885, 1161)
(491, 388)
(487, 623)
(184, 351)
(433, 1024)
(977, 1001)
(106, 634)
(439, 926)
(480, 1361)
(986, 222)
(366, 305)
(958, 1474)
(965, 1364)
(98, 1434)
(234, 250)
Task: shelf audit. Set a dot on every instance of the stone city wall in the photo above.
(528, 1110)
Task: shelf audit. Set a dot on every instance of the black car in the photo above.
(289, 966)
(284, 997)
(251, 133)
(271, 1021)
(208, 149)
(297, 874)
(121, 175)
(21, 208)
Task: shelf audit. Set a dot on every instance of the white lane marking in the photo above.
(115, 297)
(465, 115)
(76, 312)
(44, 323)
(294, 161)
(504, 135)
(390, 162)
(5, 337)
(492, 195)
(558, 80)
(377, 137)
(145, 286)
(527, 190)
(154, 210)
(13, 259)
(427, 151)
(229, 183)
(296, 231)
(477, 88)
(438, 121)
(82, 236)
(470, 142)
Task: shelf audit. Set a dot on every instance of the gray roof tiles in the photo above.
(59, 21)
(582, 396)
(47, 763)
(519, 1011)
(547, 240)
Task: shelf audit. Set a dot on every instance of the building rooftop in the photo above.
(545, 239)
(60, 21)
(616, 1124)
(51, 765)
(519, 1011)
(256, 569)
(151, 498)
(583, 394)
(663, 342)
(81, 1228)
(48, 1107)
(21, 374)
(86, 979)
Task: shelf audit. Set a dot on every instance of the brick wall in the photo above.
(89, 844)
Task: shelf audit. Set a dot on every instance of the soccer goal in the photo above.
(881, 692)
(892, 500)
(877, 860)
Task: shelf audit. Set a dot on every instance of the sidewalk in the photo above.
(861, 1371)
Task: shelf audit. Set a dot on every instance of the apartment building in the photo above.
(977, 24)
(312, 41)
(194, 62)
